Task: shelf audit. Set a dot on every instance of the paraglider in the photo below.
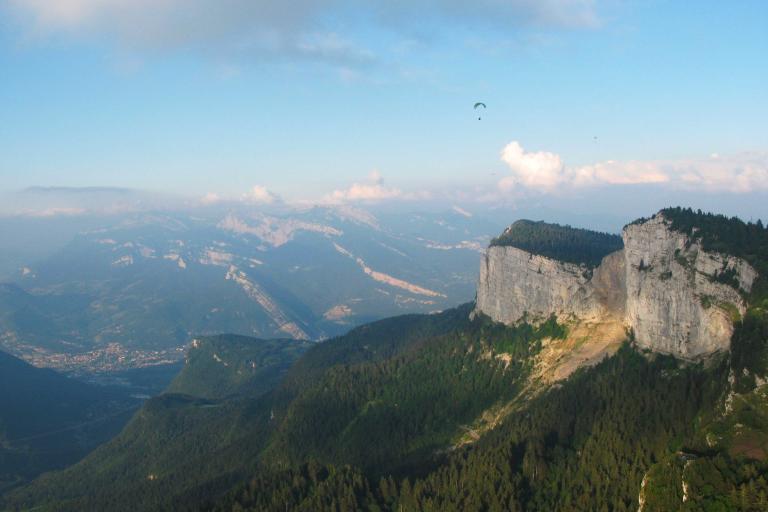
(477, 105)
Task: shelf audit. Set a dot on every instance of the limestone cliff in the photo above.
(514, 283)
(674, 296)
(675, 303)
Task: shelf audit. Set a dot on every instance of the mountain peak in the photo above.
(675, 296)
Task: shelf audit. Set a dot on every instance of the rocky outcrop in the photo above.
(674, 296)
(515, 283)
(676, 303)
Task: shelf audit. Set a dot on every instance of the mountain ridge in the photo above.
(454, 411)
(48, 421)
(676, 297)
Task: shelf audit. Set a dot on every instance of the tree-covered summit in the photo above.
(564, 243)
(720, 233)
(728, 235)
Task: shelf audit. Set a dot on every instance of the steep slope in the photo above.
(726, 462)
(585, 443)
(386, 396)
(393, 414)
(48, 421)
(221, 366)
(454, 411)
(678, 301)
(636, 432)
(676, 296)
(389, 413)
(202, 435)
(581, 446)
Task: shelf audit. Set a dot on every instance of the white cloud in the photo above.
(544, 171)
(366, 192)
(210, 198)
(506, 14)
(330, 46)
(263, 28)
(320, 30)
(260, 194)
(54, 212)
(618, 173)
(532, 169)
(71, 201)
(745, 172)
(371, 191)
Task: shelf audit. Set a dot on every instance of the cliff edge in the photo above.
(673, 295)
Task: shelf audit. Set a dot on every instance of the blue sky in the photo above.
(203, 97)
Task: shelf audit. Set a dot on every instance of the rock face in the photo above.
(515, 283)
(662, 285)
(674, 302)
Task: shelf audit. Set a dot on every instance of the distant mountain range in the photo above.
(455, 411)
(135, 289)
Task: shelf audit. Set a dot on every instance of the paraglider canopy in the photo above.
(479, 104)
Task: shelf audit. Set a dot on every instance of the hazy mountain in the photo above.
(438, 399)
(454, 411)
(134, 290)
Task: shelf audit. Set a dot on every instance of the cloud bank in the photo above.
(319, 30)
(259, 194)
(76, 201)
(546, 172)
(372, 190)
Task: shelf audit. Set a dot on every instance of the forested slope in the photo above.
(439, 412)
(48, 421)
(390, 397)
(226, 365)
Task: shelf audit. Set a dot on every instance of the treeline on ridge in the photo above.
(563, 243)
(729, 235)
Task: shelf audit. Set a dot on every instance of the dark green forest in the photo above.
(729, 235)
(375, 434)
(227, 365)
(564, 243)
(367, 398)
(48, 421)
(438, 413)
(585, 446)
